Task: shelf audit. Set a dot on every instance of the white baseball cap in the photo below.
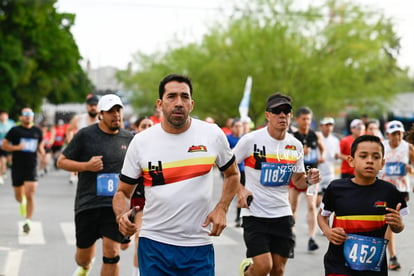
(108, 101)
(327, 121)
(356, 123)
(393, 126)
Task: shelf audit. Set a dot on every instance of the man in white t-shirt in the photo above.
(272, 157)
(331, 144)
(175, 160)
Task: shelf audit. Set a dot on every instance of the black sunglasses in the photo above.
(278, 110)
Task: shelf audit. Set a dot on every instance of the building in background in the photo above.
(104, 81)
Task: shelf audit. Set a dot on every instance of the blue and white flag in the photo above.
(245, 102)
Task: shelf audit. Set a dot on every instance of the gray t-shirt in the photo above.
(91, 141)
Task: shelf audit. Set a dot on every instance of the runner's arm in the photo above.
(230, 187)
(321, 148)
(7, 146)
(120, 204)
(72, 127)
(94, 164)
(335, 235)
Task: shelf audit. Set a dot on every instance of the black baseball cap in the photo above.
(92, 99)
(276, 100)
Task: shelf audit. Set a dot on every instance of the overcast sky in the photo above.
(109, 32)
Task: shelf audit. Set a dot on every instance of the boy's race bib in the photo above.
(274, 174)
(106, 184)
(364, 253)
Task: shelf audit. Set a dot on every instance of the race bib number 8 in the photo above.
(273, 174)
(106, 184)
(364, 253)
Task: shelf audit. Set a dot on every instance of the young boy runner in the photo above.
(363, 207)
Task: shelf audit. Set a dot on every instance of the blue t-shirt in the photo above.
(232, 142)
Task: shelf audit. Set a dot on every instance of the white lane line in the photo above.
(68, 229)
(12, 263)
(34, 237)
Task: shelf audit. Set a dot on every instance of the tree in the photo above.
(38, 56)
(327, 57)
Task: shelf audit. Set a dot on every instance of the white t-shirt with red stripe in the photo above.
(279, 160)
(178, 180)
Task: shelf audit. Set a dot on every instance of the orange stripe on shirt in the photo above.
(355, 224)
(177, 174)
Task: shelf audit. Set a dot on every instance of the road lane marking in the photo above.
(34, 237)
(12, 262)
(68, 229)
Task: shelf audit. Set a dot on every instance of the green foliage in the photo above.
(327, 62)
(38, 56)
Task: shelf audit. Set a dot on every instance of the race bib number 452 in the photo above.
(364, 253)
(106, 184)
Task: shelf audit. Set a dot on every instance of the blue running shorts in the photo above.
(161, 259)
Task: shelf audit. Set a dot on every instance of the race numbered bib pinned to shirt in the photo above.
(29, 144)
(395, 169)
(364, 253)
(311, 157)
(275, 174)
(106, 184)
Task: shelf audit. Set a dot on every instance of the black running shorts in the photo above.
(93, 224)
(20, 175)
(274, 235)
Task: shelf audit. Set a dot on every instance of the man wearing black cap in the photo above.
(85, 119)
(272, 158)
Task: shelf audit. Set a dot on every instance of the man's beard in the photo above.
(115, 128)
(92, 115)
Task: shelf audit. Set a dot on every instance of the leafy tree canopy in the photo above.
(38, 56)
(327, 57)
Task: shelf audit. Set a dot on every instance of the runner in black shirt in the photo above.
(24, 141)
(97, 153)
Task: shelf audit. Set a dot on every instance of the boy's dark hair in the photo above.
(366, 138)
(303, 110)
(174, 77)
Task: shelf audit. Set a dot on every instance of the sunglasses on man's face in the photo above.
(278, 110)
(27, 113)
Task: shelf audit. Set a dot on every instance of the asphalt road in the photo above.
(49, 248)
